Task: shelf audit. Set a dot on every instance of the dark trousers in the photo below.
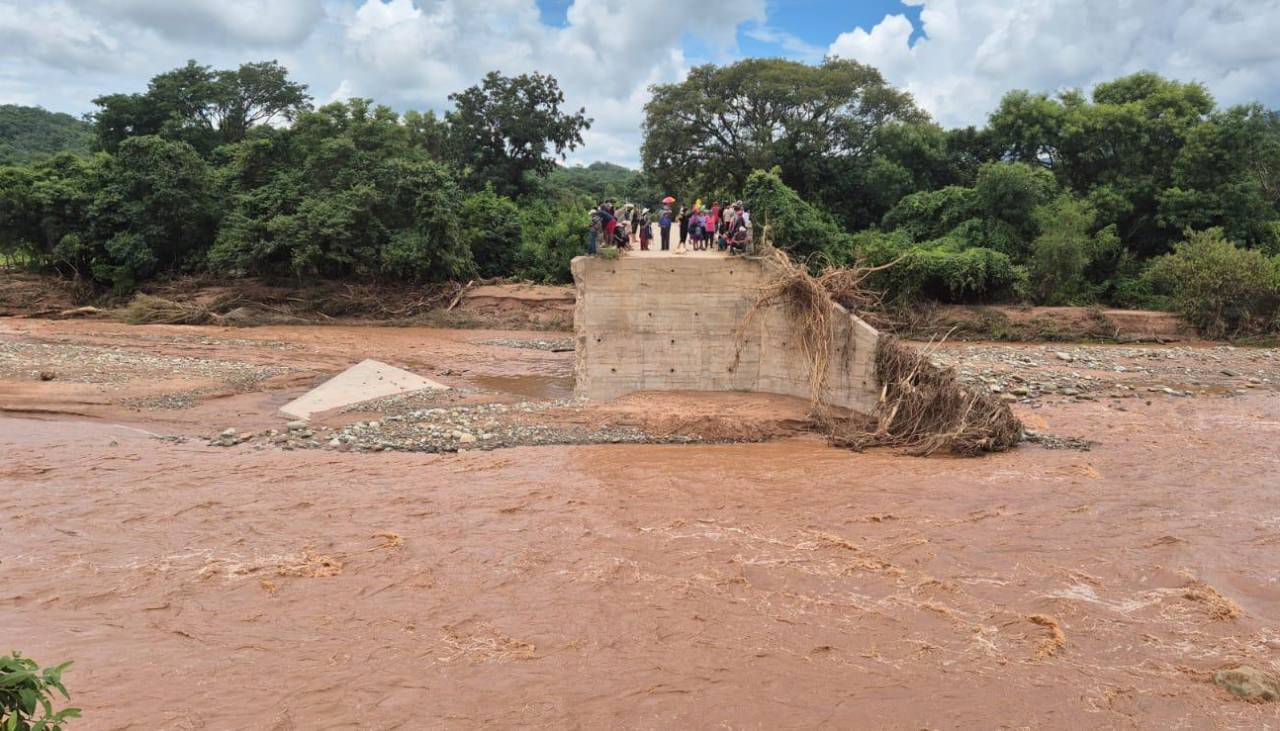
(665, 231)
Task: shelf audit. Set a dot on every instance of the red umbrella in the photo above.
(668, 200)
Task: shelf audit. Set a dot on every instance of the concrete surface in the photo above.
(664, 323)
(368, 379)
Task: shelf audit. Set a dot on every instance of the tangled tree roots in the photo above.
(923, 409)
(145, 309)
(808, 303)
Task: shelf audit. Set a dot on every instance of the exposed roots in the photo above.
(923, 409)
(145, 309)
(813, 310)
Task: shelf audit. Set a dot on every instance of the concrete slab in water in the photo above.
(368, 379)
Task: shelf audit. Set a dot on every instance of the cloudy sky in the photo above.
(956, 56)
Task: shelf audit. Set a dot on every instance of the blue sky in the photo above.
(956, 57)
(800, 29)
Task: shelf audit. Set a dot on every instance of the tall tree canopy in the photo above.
(710, 131)
(1153, 156)
(202, 106)
(506, 127)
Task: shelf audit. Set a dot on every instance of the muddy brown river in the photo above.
(783, 584)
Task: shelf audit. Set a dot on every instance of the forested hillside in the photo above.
(28, 134)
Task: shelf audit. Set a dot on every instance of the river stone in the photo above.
(1249, 683)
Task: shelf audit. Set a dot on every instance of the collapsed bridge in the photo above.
(654, 321)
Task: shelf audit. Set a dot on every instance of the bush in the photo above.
(551, 234)
(1060, 253)
(939, 270)
(1008, 194)
(930, 214)
(491, 226)
(1220, 288)
(794, 225)
(26, 695)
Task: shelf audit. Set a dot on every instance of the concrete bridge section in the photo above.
(654, 321)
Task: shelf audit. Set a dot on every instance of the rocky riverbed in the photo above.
(1029, 376)
(1035, 374)
(483, 426)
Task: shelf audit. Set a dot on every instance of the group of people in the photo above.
(699, 228)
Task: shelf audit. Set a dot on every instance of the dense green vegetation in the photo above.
(199, 172)
(1061, 199)
(28, 134)
(1114, 197)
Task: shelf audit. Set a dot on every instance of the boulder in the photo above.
(1249, 683)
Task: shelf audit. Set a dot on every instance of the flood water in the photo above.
(776, 585)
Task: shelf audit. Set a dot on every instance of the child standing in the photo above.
(646, 229)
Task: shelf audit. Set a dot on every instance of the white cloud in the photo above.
(605, 57)
(248, 22)
(411, 54)
(795, 46)
(405, 53)
(973, 51)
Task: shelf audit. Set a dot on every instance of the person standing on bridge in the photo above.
(646, 229)
(664, 227)
(610, 221)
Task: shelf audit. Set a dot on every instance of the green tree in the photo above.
(47, 208)
(349, 190)
(817, 124)
(201, 106)
(941, 270)
(552, 232)
(491, 226)
(794, 224)
(508, 127)
(1060, 253)
(604, 181)
(931, 214)
(1006, 196)
(1227, 175)
(1117, 148)
(1222, 289)
(154, 212)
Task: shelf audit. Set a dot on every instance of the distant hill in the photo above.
(604, 180)
(28, 134)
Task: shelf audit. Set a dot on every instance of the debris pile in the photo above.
(923, 409)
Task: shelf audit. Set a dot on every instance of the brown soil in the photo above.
(776, 584)
(544, 307)
(253, 302)
(536, 306)
(1030, 324)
